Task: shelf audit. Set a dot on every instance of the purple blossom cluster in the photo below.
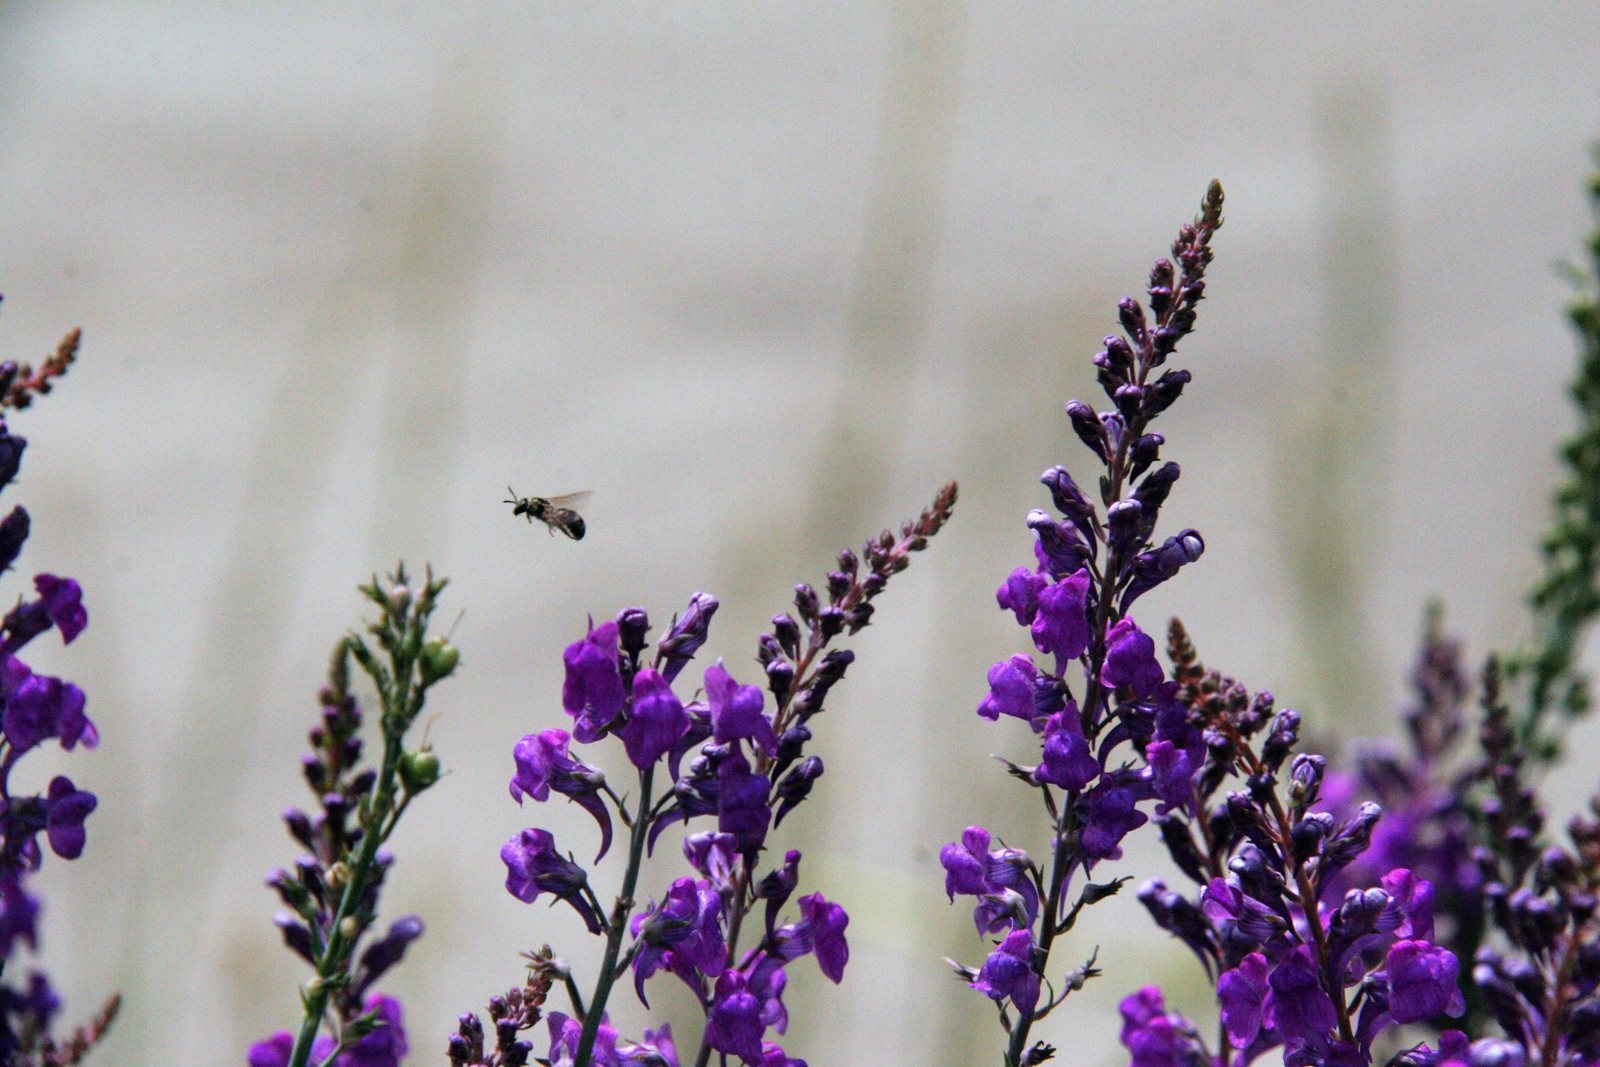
(731, 759)
(1299, 964)
(1126, 742)
(331, 894)
(36, 709)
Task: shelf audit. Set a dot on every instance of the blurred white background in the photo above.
(761, 276)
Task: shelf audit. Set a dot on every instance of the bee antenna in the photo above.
(513, 493)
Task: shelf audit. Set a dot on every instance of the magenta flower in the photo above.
(657, 722)
(592, 693)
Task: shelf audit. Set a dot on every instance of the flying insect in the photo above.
(556, 512)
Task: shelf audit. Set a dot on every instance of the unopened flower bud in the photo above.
(438, 660)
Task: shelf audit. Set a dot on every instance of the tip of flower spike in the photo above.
(1211, 206)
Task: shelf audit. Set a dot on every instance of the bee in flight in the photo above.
(556, 512)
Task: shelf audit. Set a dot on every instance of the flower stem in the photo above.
(618, 926)
(338, 947)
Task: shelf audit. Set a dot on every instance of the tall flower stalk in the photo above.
(727, 768)
(1091, 565)
(332, 893)
(36, 709)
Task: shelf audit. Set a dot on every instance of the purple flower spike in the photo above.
(1008, 972)
(592, 693)
(63, 601)
(1020, 594)
(1131, 660)
(1242, 993)
(66, 808)
(825, 923)
(1422, 982)
(734, 1023)
(736, 711)
(658, 719)
(1068, 762)
(1062, 623)
(533, 866)
(1011, 689)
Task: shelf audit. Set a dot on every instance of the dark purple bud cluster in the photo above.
(727, 756)
(1299, 963)
(36, 709)
(331, 895)
(1540, 981)
(1091, 563)
(510, 1016)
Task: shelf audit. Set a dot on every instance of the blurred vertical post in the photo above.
(1331, 478)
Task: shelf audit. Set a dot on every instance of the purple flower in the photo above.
(1131, 660)
(1156, 1038)
(66, 808)
(544, 764)
(1008, 972)
(533, 866)
(592, 693)
(566, 1034)
(388, 950)
(1061, 625)
(1242, 992)
(713, 855)
(1422, 982)
(1002, 880)
(965, 863)
(1171, 772)
(742, 808)
(1297, 1005)
(274, 1051)
(736, 711)
(383, 1047)
(656, 1050)
(38, 707)
(824, 925)
(1414, 897)
(1068, 761)
(1109, 816)
(688, 632)
(19, 914)
(657, 722)
(1011, 690)
(734, 1023)
(689, 924)
(13, 532)
(1020, 594)
(773, 1056)
(63, 602)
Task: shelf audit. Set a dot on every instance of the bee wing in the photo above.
(571, 501)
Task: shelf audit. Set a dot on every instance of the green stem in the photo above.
(619, 924)
(338, 947)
